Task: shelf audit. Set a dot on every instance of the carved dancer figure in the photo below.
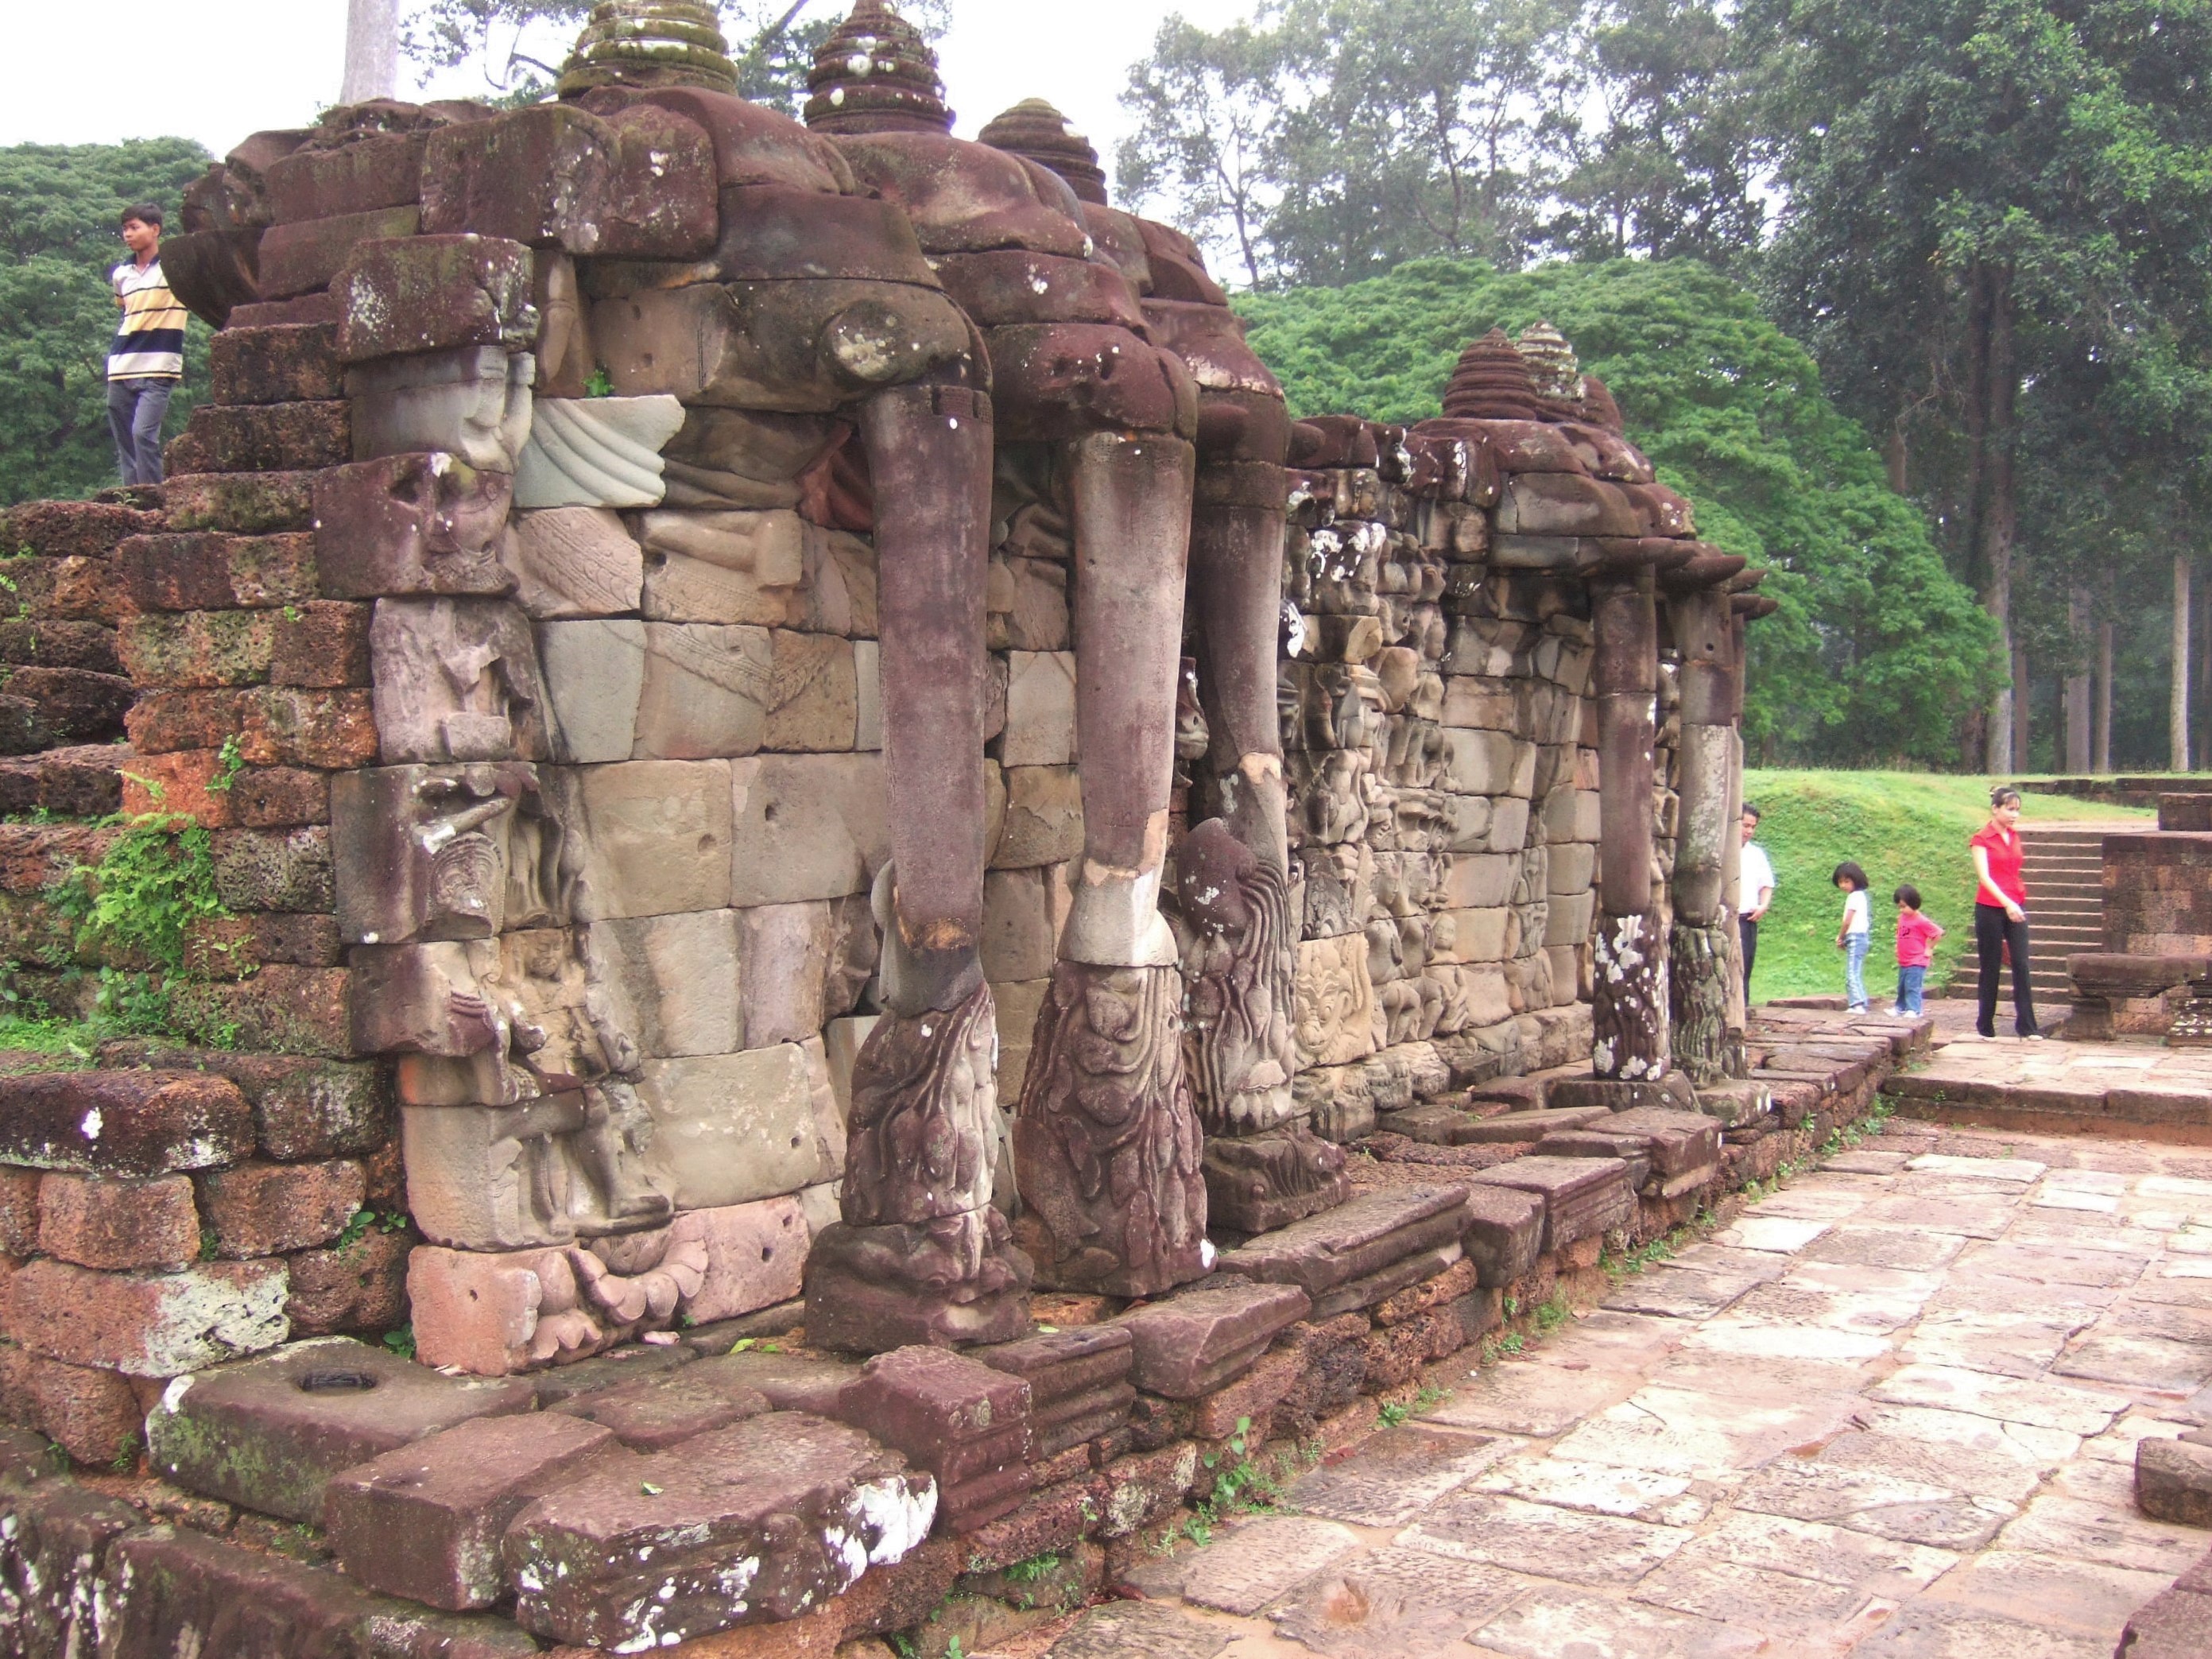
(1072, 370)
(1234, 599)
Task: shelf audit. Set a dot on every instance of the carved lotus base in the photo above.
(870, 1290)
(1270, 1180)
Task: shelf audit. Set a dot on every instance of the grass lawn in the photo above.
(1900, 827)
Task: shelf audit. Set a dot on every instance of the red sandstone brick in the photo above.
(19, 1211)
(199, 648)
(114, 1222)
(93, 1412)
(361, 1287)
(264, 438)
(425, 1521)
(268, 1209)
(148, 1324)
(123, 1123)
(164, 722)
(322, 643)
(58, 530)
(284, 1009)
(332, 730)
(246, 504)
(285, 364)
(1254, 1396)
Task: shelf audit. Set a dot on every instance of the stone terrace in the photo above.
(2133, 1089)
(1892, 1411)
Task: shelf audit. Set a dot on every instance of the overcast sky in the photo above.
(218, 69)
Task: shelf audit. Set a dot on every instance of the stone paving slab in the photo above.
(1890, 1412)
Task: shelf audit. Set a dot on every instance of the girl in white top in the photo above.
(1856, 937)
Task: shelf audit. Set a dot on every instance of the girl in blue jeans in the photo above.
(1855, 936)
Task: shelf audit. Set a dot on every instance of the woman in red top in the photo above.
(2001, 914)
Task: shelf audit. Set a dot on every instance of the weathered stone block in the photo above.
(1354, 1240)
(73, 530)
(410, 525)
(19, 1210)
(361, 1286)
(732, 1129)
(404, 295)
(303, 257)
(200, 649)
(1040, 710)
(169, 1592)
(374, 170)
(207, 571)
(148, 1325)
(659, 834)
(99, 1221)
(675, 981)
(807, 827)
(123, 1123)
(596, 452)
(1194, 1342)
(641, 1557)
(1505, 1232)
(725, 567)
(2173, 1482)
(1583, 1197)
(574, 562)
(785, 950)
(1044, 819)
(457, 680)
(641, 185)
(267, 1209)
(93, 1412)
(57, 1535)
(268, 1433)
(425, 1521)
(756, 1258)
(262, 437)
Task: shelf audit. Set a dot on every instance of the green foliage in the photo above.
(356, 1229)
(401, 1341)
(1392, 1414)
(58, 205)
(1901, 827)
(1877, 651)
(137, 911)
(1331, 139)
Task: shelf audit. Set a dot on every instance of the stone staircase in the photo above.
(2064, 870)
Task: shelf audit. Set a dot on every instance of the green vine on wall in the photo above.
(141, 911)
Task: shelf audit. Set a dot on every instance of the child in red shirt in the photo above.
(1916, 950)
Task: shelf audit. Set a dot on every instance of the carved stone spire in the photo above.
(1552, 362)
(1493, 382)
(1599, 406)
(876, 74)
(1036, 131)
(650, 43)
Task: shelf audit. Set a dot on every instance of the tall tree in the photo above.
(1993, 204)
(372, 66)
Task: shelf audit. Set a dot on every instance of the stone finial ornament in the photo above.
(650, 43)
(1036, 131)
(1552, 362)
(1493, 382)
(876, 74)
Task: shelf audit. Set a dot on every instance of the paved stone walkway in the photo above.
(2167, 1091)
(1890, 1412)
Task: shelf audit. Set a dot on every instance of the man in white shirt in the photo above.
(1756, 892)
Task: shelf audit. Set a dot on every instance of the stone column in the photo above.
(1265, 1168)
(1106, 1142)
(1630, 1015)
(921, 1255)
(1703, 627)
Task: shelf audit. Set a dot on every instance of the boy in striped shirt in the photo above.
(147, 361)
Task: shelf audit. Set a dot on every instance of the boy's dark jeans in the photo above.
(136, 410)
(1994, 933)
(1912, 983)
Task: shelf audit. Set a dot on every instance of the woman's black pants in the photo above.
(1994, 931)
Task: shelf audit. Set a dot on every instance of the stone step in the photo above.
(81, 782)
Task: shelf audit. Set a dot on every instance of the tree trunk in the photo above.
(1900, 458)
(2177, 722)
(2104, 757)
(1994, 393)
(2023, 708)
(2079, 714)
(372, 66)
(2200, 677)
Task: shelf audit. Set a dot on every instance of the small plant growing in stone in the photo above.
(1392, 1414)
(600, 385)
(401, 1341)
(229, 764)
